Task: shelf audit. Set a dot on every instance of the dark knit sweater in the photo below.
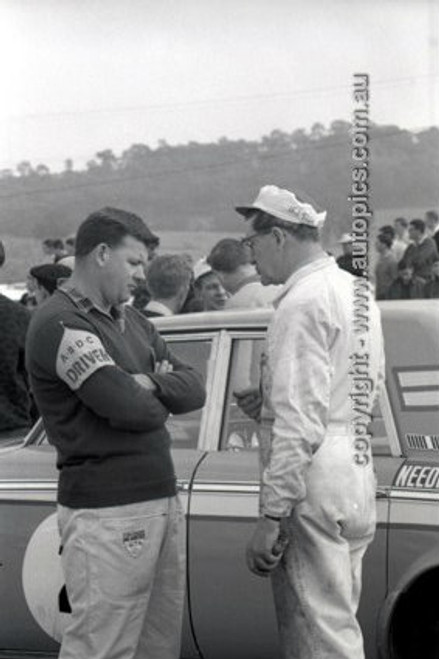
(421, 257)
(14, 394)
(112, 444)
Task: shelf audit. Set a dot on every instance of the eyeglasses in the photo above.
(248, 241)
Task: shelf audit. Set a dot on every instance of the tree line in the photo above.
(194, 186)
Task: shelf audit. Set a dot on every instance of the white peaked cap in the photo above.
(284, 205)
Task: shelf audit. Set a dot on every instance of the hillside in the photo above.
(194, 187)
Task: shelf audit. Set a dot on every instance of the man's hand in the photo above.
(250, 402)
(145, 381)
(161, 368)
(261, 555)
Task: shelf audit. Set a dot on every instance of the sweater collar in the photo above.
(117, 314)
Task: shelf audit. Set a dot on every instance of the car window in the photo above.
(238, 431)
(185, 428)
(241, 433)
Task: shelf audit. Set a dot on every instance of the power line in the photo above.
(312, 91)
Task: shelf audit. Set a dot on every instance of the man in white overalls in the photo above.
(320, 382)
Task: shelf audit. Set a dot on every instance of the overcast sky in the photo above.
(83, 75)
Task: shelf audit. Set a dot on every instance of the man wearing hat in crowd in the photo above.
(317, 507)
(46, 278)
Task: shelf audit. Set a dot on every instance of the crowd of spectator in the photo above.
(407, 264)
(407, 267)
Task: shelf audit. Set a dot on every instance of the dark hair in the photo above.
(57, 243)
(385, 239)
(70, 240)
(111, 226)
(388, 230)
(200, 281)
(167, 275)
(418, 224)
(432, 215)
(403, 265)
(228, 255)
(402, 221)
(2, 254)
(264, 222)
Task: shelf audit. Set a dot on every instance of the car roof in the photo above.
(215, 320)
(424, 312)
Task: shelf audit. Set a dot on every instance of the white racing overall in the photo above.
(317, 474)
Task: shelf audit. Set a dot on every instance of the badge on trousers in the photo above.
(133, 542)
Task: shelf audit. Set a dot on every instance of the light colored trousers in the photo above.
(124, 568)
(317, 585)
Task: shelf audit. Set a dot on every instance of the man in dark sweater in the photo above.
(15, 404)
(105, 383)
(422, 251)
(406, 286)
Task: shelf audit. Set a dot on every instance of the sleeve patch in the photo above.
(80, 354)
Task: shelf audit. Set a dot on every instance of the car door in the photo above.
(232, 609)
(410, 621)
(31, 578)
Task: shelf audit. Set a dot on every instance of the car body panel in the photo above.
(230, 610)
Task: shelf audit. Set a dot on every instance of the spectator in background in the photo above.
(210, 294)
(432, 224)
(407, 286)
(422, 252)
(54, 247)
(345, 261)
(401, 237)
(386, 269)
(15, 401)
(69, 245)
(388, 231)
(231, 261)
(47, 277)
(141, 294)
(28, 299)
(168, 280)
(58, 250)
(47, 247)
(432, 285)
(152, 245)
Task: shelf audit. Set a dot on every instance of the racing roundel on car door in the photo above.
(43, 581)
